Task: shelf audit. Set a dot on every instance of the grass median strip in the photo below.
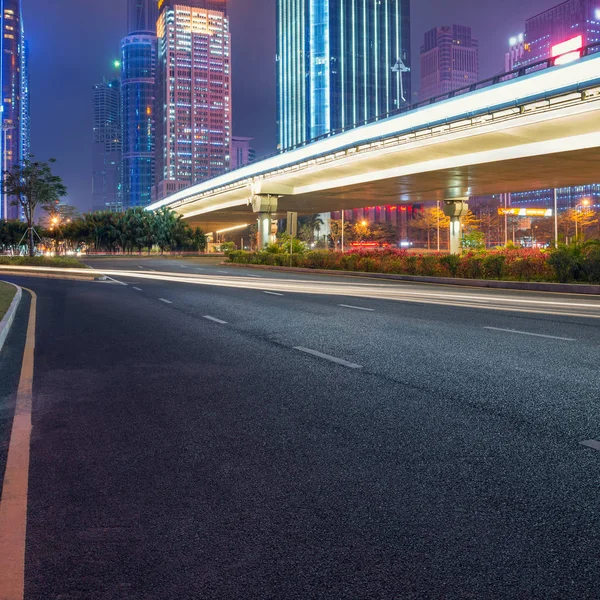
(7, 293)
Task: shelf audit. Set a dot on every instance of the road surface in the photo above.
(211, 440)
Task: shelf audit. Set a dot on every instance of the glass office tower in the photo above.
(108, 147)
(14, 137)
(142, 16)
(138, 93)
(337, 64)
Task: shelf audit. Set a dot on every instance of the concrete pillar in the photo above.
(456, 210)
(265, 205)
(264, 229)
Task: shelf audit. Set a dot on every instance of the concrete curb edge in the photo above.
(49, 273)
(9, 317)
(531, 286)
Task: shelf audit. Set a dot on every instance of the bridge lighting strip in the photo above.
(520, 91)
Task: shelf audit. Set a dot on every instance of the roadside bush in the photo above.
(565, 264)
(63, 262)
(493, 266)
(451, 262)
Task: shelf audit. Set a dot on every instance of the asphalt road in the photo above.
(195, 437)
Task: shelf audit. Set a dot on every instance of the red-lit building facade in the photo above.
(193, 104)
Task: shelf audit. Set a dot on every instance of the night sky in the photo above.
(73, 43)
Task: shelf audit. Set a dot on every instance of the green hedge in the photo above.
(42, 261)
(566, 264)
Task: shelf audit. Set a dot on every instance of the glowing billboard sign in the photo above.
(568, 51)
(526, 212)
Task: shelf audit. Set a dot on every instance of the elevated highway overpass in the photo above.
(528, 132)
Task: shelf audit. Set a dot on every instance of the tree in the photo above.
(309, 226)
(429, 220)
(582, 218)
(361, 231)
(32, 184)
(384, 233)
(335, 231)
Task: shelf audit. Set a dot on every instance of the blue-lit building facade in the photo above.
(14, 138)
(554, 26)
(107, 192)
(138, 94)
(335, 64)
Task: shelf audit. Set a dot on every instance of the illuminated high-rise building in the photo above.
(449, 60)
(561, 23)
(138, 94)
(339, 63)
(14, 138)
(107, 149)
(193, 100)
(242, 152)
(561, 31)
(141, 16)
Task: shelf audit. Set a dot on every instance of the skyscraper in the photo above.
(193, 105)
(335, 64)
(107, 152)
(559, 24)
(516, 52)
(138, 92)
(545, 34)
(449, 60)
(141, 16)
(242, 152)
(14, 138)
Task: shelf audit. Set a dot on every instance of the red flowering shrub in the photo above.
(521, 264)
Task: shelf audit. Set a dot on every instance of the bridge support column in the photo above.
(265, 205)
(456, 210)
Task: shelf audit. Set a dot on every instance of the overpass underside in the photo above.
(555, 148)
(486, 142)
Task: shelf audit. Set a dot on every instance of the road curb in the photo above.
(49, 273)
(9, 317)
(530, 286)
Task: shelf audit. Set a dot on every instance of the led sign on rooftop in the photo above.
(568, 51)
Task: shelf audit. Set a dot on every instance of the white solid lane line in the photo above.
(333, 359)
(215, 320)
(595, 444)
(356, 307)
(551, 337)
(165, 301)
(116, 281)
(273, 293)
(137, 288)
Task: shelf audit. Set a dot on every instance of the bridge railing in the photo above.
(484, 83)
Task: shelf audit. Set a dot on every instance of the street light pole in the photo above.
(342, 231)
(438, 226)
(555, 218)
